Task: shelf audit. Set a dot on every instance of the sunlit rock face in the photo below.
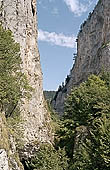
(93, 51)
(20, 17)
(3, 160)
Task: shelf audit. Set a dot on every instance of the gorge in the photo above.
(61, 141)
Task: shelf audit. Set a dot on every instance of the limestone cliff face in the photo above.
(93, 51)
(20, 17)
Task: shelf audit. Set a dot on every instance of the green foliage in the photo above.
(94, 152)
(55, 121)
(88, 101)
(65, 135)
(13, 83)
(49, 95)
(15, 128)
(105, 76)
(47, 158)
(87, 107)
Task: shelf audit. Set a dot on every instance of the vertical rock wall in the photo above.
(3, 160)
(20, 17)
(93, 51)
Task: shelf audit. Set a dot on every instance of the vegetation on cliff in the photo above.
(13, 86)
(13, 83)
(83, 135)
(85, 131)
(49, 95)
(48, 158)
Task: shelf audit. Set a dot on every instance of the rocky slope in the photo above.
(20, 17)
(93, 51)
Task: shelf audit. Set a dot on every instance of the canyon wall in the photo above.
(93, 51)
(20, 17)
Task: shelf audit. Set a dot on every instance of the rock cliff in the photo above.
(20, 17)
(93, 51)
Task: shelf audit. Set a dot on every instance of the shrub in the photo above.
(48, 158)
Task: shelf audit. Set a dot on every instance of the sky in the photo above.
(58, 26)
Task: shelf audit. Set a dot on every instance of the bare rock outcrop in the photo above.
(20, 17)
(3, 160)
(93, 51)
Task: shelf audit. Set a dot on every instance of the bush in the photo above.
(47, 158)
